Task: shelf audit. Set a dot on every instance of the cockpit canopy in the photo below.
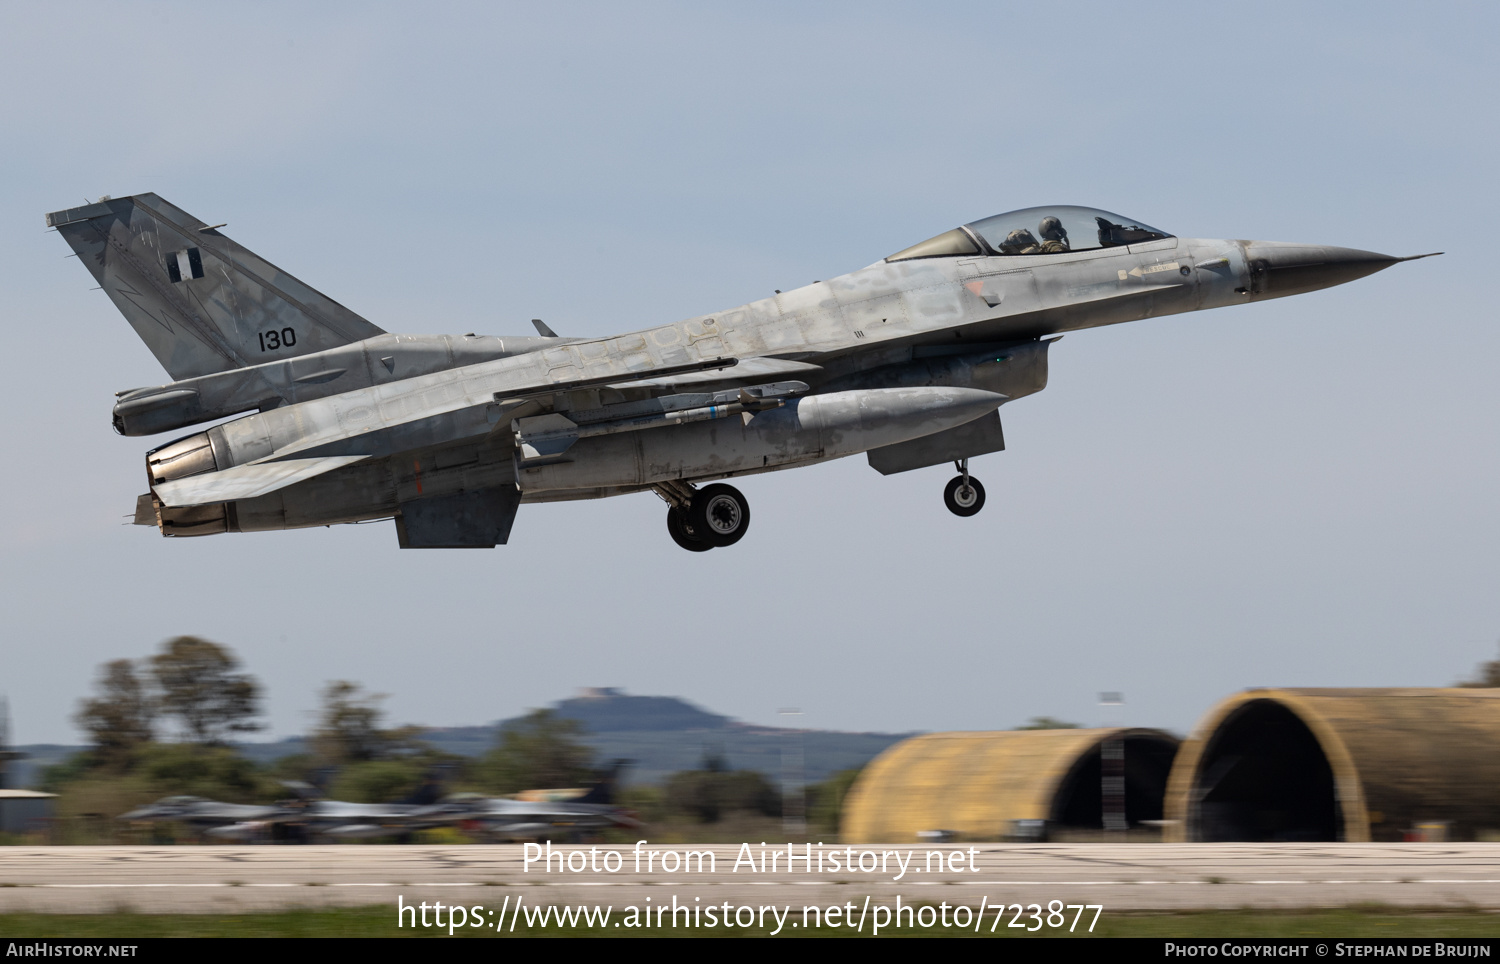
(1045, 230)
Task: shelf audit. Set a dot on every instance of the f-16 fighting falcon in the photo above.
(907, 361)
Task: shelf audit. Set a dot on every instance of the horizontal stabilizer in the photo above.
(247, 481)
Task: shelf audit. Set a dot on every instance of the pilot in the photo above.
(1020, 241)
(1054, 235)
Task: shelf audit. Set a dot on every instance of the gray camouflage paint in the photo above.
(351, 423)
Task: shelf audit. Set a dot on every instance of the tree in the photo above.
(378, 781)
(714, 791)
(1047, 723)
(541, 750)
(1487, 675)
(197, 683)
(825, 801)
(350, 729)
(121, 717)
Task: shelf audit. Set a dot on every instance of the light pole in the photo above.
(793, 802)
(1112, 767)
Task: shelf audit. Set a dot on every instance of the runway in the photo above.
(220, 879)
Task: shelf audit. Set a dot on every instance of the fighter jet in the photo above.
(530, 815)
(540, 814)
(907, 361)
(206, 817)
(502, 818)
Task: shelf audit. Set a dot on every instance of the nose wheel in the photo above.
(964, 496)
(707, 518)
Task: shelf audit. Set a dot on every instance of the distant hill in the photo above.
(664, 734)
(658, 754)
(660, 734)
(607, 710)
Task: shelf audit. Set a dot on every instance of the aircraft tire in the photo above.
(720, 513)
(960, 503)
(682, 533)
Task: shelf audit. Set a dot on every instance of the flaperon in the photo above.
(907, 360)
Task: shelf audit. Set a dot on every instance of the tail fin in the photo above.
(604, 790)
(199, 301)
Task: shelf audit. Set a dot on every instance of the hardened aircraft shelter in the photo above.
(1339, 764)
(983, 785)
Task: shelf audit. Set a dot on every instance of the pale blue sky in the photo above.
(1300, 492)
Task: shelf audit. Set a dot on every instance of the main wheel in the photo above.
(720, 513)
(964, 500)
(683, 534)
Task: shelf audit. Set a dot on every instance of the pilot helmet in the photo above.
(1052, 229)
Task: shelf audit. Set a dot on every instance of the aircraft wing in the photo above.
(247, 481)
(340, 810)
(459, 403)
(571, 379)
(235, 811)
(748, 369)
(203, 811)
(541, 811)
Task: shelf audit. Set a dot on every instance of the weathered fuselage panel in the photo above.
(907, 359)
(971, 323)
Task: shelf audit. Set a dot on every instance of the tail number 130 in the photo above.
(273, 339)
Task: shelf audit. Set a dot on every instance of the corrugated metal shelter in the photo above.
(1339, 764)
(977, 785)
(24, 811)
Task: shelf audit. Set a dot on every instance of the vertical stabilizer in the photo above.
(200, 302)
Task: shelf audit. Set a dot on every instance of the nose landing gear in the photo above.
(964, 496)
(707, 518)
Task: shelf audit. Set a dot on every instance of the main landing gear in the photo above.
(702, 519)
(964, 495)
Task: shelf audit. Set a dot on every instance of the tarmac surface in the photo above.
(229, 879)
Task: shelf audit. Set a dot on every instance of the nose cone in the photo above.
(1278, 269)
